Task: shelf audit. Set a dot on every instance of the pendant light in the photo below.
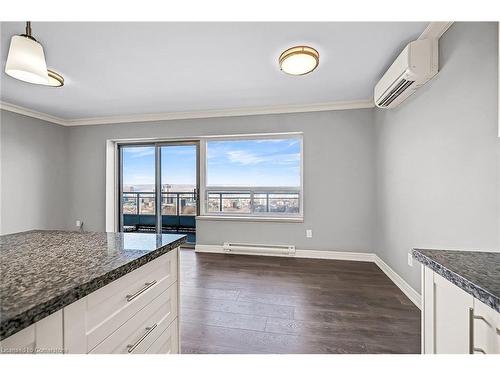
(26, 61)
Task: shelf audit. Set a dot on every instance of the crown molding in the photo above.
(331, 106)
(31, 113)
(435, 30)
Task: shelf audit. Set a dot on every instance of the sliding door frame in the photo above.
(120, 147)
(158, 193)
(159, 145)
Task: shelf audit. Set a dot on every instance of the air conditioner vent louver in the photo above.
(415, 66)
(395, 92)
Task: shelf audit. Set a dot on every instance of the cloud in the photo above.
(138, 152)
(288, 159)
(244, 157)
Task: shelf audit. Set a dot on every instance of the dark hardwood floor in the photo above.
(257, 304)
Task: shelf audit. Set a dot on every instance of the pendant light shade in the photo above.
(26, 60)
(55, 79)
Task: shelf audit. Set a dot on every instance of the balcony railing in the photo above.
(178, 210)
(253, 202)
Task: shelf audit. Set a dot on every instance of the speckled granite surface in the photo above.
(476, 272)
(44, 271)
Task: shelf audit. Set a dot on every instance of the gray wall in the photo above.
(438, 156)
(34, 180)
(338, 176)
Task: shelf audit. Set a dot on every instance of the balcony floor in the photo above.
(191, 236)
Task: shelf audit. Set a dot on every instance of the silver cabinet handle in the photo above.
(131, 347)
(471, 330)
(479, 317)
(146, 286)
(472, 349)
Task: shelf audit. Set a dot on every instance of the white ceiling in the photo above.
(114, 69)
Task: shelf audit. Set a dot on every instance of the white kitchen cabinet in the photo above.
(136, 313)
(486, 329)
(93, 319)
(43, 337)
(453, 321)
(139, 332)
(446, 316)
(167, 342)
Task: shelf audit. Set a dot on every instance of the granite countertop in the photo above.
(44, 271)
(476, 272)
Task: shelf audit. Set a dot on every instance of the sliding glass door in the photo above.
(138, 188)
(169, 169)
(179, 188)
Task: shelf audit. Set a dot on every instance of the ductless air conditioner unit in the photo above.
(414, 67)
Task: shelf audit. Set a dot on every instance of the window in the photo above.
(259, 176)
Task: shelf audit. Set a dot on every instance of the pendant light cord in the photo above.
(27, 33)
(28, 28)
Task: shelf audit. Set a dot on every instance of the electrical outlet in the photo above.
(309, 233)
(410, 260)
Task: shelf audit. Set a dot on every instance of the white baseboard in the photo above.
(411, 293)
(220, 250)
(208, 249)
(334, 255)
(313, 254)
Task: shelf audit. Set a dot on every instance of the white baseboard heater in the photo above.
(248, 248)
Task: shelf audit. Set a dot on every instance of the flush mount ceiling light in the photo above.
(299, 60)
(26, 61)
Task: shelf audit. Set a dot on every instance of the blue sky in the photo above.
(178, 165)
(138, 165)
(266, 162)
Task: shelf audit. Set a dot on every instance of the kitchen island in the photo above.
(89, 292)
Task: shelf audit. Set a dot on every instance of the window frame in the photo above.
(204, 189)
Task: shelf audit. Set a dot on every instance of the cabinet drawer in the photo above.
(111, 306)
(167, 343)
(138, 333)
(486, 336)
